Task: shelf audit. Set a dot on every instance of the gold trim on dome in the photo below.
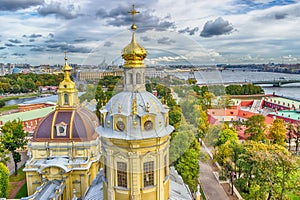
(71, 124)
(134, 107)
(53, 124)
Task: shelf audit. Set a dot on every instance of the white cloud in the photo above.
(261, 34)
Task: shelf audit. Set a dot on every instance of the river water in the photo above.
(226, 76)
(215, 76)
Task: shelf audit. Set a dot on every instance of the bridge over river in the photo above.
(274, 82)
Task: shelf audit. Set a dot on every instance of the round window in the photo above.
(120, 126)
(148, 125)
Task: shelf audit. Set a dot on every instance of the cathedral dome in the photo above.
(134, 116)
(67, 125)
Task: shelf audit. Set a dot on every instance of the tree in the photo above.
(256, 127)
(297, 133)
(227, 134)
(13, 138)
(291, 129)
(4, 157)
(89, 94)
(277, 132)
(267, 168)
(181, 140)
(2, 103)
(225, 102)
(212, 134)
(188, 166)
(4, 176)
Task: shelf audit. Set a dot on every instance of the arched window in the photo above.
(138, 78)
(130, 78)
(122, 174)
(148, 169)
(66, 97)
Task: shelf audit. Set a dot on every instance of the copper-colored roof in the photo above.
(81, 124)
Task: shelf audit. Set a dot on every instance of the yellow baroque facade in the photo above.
(145, 169)
(65, 151)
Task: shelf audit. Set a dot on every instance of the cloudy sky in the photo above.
(172, 31)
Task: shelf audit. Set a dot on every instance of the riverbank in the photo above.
(17, 96)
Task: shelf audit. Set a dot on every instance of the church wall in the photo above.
(33, 181)
(167, 188)
(135, 153)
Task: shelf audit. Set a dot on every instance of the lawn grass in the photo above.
(21, 175)
(7, 108)
(22, 192)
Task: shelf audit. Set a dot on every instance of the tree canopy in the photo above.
(4, 176)
(13, 138)
(16, 83)
(277, 132)
(256, 127)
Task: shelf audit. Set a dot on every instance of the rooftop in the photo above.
(28, 115)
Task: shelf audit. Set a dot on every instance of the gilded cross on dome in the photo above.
(133, 12)
(65, 52)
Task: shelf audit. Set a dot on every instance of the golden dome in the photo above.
(134, 54)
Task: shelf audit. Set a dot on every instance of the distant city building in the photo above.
(16, 71)
(10, 67)
(152, 72)
(46, 89)
(97, 75)
(2, 71)
(280, 103)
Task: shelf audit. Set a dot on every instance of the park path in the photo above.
(210, 186)
(18, 184)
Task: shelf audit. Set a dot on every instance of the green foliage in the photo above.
(89, 94)
(256, 127)
(4, 154)
(101, 96)
(191, 81)
(16, 83)
(272, 166)
(13, 138)
(194, 114)
(224, 102)
(4, 174)
(181, 140)
(163, 92)
(188, 165)
(248, 89)
(21, 175)
(277, 132)
(175, 116)
(7, 108)
(227, 134)
(2, 103)
(217, 90)
(223, 153)
(182, 90)
(212, 134)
